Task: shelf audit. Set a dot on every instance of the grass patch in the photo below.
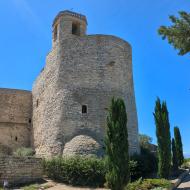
(23, 152)
(31, 187)
(186, 163)
(148, 184)
(36, 186)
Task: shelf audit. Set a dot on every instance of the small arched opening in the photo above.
(84, 109)
(55, 33)
(76, 28)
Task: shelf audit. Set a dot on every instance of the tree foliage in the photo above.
(178, 34)
(161, 117)
(145, 141)
(174, 156)
(116, 142)
(179, 146)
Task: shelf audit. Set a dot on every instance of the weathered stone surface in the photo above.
(15, 118)
(5, 150)
(19, 170)
(82, 145)
(81, 70)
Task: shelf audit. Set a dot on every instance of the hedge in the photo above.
(82, 171)
(90, 171)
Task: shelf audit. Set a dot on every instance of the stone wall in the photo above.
(19, 170)
(15, 118)
(82, 70)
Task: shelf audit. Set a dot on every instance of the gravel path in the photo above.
(185, 185)
(66, 187)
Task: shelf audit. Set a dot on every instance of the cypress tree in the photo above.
(163, 138)
(174, 156)
(116, 141)
(179, 146)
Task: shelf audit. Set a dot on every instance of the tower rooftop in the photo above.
(69, 13)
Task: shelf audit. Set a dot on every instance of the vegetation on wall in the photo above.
(116, 142)
(22, 152)
(161, 117)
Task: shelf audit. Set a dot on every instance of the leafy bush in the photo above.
(148, 184)
(77, 165)
(143, 165)
(135, 172)
(186, 163)
(24, 152)
(91, 171)
(187, 160)
(83, 171)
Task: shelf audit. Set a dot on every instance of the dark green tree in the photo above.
(174, 156)
(179, 146)
(116, 141)
(161, 117)
(178, 34)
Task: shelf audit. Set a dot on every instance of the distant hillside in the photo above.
(187, 155)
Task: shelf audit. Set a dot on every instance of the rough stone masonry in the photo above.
(18, 170)
(66, 113)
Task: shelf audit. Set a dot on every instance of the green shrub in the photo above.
(144, 164)
(148, 184)
(185, 165)
(187, 160)
(83, 171)
(134, 170)
(90, 170)
(24, 152)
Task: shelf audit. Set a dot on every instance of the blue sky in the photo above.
(25, 40)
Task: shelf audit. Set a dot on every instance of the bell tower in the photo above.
(68, 24)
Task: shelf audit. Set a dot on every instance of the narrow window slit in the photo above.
(84, 109)
(37, 103)
(76, 29)
(55, 33)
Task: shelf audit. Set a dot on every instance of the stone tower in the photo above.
(73, 92)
